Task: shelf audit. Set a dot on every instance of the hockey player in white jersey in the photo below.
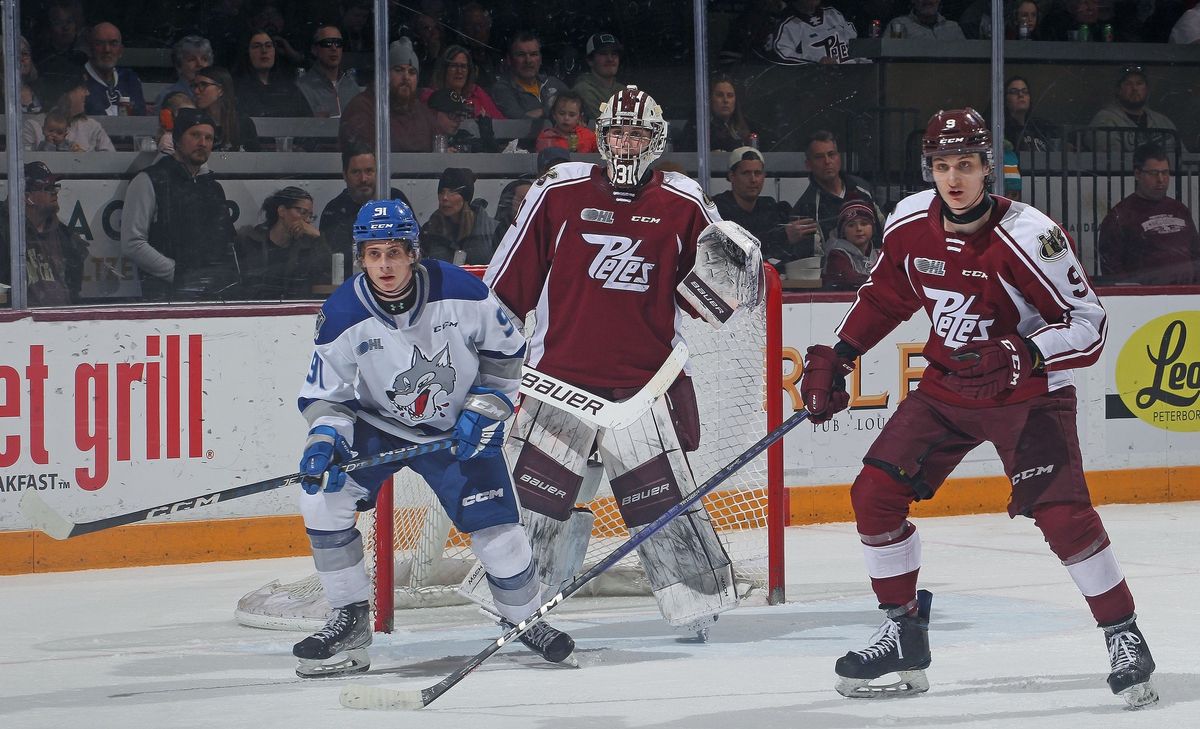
(407, 352)
(599, 252)
(811, 34)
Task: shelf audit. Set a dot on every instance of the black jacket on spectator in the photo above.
(766, 222)
(270, 272)
(824, 207)
(474, 247)
(279, 97)
(1035, 135)
(192, 225)
(337, 226)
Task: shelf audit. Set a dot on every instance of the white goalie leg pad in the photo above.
(894, 559)
(689, 570)
(727, 274)
(338, 548)
(1097, 574)
(505, 554)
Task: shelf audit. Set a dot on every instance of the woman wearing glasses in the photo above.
(262, 87)
(1026, 132)
(284, 257)
(213, 90)
(457, 72)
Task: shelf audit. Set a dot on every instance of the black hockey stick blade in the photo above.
(359, 696)
(46, 519)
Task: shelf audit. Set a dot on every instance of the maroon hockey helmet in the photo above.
(956, 131)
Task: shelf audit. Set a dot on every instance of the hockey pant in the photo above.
(689, 571)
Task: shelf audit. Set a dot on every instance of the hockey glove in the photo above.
(823, 387)
(991, 366)
(323, 453)
(480, 427)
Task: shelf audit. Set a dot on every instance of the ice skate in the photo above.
(1131, 662)
(900, 646)
(348, 632)
(548, 642)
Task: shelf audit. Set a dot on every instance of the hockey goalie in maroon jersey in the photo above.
(598, 254)
(1013, 314)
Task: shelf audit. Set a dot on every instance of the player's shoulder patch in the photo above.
(320, 323)
(1052, 244)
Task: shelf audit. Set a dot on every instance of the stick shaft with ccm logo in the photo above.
(358, 696)
(43, 517)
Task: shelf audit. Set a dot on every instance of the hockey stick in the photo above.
(356, 696)
(56, 525)
(595, 409)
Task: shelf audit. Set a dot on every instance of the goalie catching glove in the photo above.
(727, 275)
(480, 427)
(324, 451)
(991, 366)
(823, 387)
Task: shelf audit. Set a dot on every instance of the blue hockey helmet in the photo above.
(386, 220)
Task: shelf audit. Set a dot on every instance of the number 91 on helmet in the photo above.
(383, 220)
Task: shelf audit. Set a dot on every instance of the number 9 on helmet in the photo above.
(380, 220)
(956, 131)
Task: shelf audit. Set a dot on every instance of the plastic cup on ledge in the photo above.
(283, 144)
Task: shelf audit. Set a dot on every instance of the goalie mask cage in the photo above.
(417, 559)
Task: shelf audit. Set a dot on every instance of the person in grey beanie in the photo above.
(411, 122)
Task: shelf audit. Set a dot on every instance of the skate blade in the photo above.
(1140, 695)
(910, 683)
(377, 698)
(356, 661)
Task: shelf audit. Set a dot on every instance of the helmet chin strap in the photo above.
(981, 208)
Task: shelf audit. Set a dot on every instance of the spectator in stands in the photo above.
(175, 226)
(212, 88)
(189, 54)
(828, 189)
(54, 254)
(510, 201)
(459, 231)
(112, 90)
(357, 27)
(768, 220)
(1025, 131)
(1149, 238)
(66, 127)
(549, 157)
(1025, 22)
(569, 131)
(166, 120)
(791, 41)
(268, 16)
(600, 82)
(223, 28)
(457, 72)
(850, 256)
(1080, 20)
(1187, 28)
(327, 88)
(925, 22)
(1121, 125)
(748, 32)
(728, 127)
(476, 23)
(29, 79)
(450, 110)
(1013, 186)
(337, 219)
(263, 88)
(525, 92)
(430, 44)
(58, 46)
(411, 122)
(284, 257)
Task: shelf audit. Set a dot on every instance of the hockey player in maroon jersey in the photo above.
(1013, 314)
(596, 253)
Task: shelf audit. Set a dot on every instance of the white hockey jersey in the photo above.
(409, 374)
(800, 39)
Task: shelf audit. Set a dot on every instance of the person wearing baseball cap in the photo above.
(54, 256)
(599, 83)
(1115, 123)
(762, 215)
(850, 256)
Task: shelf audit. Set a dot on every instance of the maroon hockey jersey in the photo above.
(1016, 275)
(599, 271)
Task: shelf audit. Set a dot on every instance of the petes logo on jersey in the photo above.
(617, 264)
(422, 392)
(1054, 244)
(952, 320)
(930, 266)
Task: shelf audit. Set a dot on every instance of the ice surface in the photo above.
(1013, 646)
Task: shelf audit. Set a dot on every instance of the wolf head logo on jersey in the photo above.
(423, 390)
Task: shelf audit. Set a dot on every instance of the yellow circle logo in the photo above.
(1158, 372)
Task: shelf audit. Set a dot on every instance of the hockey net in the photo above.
(417, 559)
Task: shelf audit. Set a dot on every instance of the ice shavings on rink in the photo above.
(1013, 645)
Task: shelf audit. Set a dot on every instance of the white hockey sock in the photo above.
(511, 571)
(894, 559)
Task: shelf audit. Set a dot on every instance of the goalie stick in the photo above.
(595, 409)
(48, 520)
(358, 696)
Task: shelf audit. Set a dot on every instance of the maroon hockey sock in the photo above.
(898, 590)
(1113, 606)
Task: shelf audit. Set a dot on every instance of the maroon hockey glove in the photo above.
(823, 387)
(992, 366)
